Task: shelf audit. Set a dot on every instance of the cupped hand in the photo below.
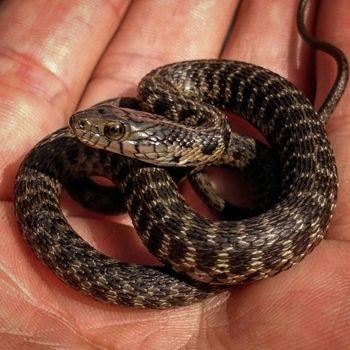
(56, 57)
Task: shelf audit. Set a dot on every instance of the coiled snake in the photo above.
(206, 254)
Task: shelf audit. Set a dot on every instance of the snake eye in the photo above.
(114, 130)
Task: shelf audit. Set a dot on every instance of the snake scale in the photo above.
(200, 255)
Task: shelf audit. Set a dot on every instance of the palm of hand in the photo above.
(48, 56)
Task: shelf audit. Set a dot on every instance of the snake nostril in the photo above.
(82, 123)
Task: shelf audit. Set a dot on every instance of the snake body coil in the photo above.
(211, 253)
(261, 246)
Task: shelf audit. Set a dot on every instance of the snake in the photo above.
(181, 126)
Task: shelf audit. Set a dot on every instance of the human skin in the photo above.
(57, 57)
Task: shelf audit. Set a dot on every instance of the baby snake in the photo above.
(207, 254)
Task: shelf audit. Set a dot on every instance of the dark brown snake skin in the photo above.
(207, 254)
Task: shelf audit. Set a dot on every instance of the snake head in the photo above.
(120, 130)
(145, 136)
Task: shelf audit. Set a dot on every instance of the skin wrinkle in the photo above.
(211, 325)
(29, 74)
(39, 308)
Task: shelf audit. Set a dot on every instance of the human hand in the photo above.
(56, 55)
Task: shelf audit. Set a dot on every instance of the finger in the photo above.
(48, 50)
(158, 32)
(333, 18)
(265, 34)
